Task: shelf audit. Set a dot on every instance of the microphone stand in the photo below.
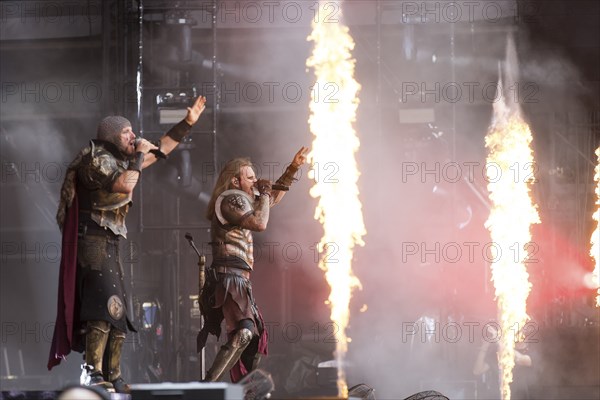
(201, 281)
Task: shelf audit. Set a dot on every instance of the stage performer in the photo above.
(239, 205)
(95, 198)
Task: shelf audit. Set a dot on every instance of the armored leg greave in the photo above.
(255, 361)
(95, 344)
(251, 357)
(115, 345)
(113, 373)
(229, 354)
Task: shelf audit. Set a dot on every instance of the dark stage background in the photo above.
(66, 64)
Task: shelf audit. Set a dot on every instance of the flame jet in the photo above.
(334, 101)
(510, 166)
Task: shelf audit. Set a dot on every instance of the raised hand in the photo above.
(300, 157)
(193, 112)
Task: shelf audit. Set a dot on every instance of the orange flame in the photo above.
(334, 146)
(595, 239)
(510, 162)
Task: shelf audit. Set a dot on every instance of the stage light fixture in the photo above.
(172, 105)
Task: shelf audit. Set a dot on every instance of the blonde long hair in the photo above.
(230, 170)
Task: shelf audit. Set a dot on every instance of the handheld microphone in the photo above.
(157, 153)
(274, 186)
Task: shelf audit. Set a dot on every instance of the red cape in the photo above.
(66, 316)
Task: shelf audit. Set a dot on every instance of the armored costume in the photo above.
(92, 312)
(101, 223)
(227, 292)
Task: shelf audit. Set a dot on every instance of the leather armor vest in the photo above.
(228, 238)
(96, 176)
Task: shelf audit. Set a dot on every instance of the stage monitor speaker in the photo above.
(187, 391)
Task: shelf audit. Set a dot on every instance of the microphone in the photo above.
(157, 153)
(274, 186)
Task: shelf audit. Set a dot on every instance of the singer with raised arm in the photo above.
(95, 198)
(239, 205)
